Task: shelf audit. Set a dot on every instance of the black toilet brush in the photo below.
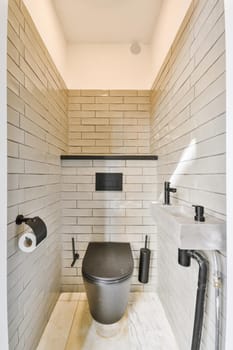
(144, 263)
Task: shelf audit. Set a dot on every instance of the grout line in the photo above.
(74, 316)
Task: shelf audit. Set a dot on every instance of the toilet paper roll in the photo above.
(27, 242)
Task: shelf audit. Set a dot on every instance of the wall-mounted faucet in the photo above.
(167, 190)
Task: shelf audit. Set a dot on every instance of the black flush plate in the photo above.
(108, 181)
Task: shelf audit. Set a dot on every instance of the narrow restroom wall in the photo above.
(109, 121)
(188, 134)
(37, 135)
(3, 175)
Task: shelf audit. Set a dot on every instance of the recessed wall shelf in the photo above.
(109, 157)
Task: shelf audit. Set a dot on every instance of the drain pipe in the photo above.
(217, 281)
(184, 259)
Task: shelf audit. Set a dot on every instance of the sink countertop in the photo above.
(190, 234)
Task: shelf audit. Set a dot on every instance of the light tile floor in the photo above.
(144, 326)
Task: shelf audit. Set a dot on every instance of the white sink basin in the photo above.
(190, 234)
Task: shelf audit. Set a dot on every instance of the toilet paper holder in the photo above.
(36, 224)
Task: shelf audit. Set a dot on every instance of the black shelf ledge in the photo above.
(108, 157)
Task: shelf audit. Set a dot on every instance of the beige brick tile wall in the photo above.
(188, 134)
(99, 122)
(37, 135)
(109, 122)
(44, 120)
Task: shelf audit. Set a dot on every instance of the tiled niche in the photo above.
(123, 216)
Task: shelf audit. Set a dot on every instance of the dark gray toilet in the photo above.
(107, 269)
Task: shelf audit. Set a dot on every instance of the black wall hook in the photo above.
(75, 255)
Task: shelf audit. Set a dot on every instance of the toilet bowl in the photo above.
(107, 269)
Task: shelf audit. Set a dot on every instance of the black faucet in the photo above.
(167, 190)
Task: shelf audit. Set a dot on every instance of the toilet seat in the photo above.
(107, 262)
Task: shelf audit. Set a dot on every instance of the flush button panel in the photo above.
(108, 181)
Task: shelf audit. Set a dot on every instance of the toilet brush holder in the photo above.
(144, 263)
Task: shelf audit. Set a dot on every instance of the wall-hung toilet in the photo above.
(107, 269)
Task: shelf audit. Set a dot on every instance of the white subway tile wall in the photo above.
(188, 134)
(120, 216)
(37, 135)
(183, 115)
(109, 121)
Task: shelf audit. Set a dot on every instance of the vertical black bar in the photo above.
(73, 247)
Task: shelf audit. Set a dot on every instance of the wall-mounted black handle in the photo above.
(75, 255)
(173, 190)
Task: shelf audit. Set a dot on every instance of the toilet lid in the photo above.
(107, 262)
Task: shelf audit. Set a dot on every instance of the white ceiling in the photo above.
(107, 21)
